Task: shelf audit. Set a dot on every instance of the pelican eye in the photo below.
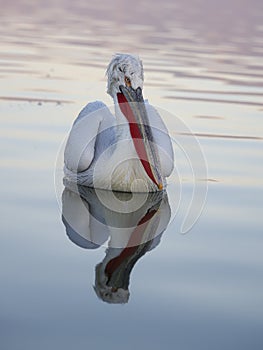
(127, 81)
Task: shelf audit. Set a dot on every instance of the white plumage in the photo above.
(101, 150)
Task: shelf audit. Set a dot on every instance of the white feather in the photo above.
(100, 151)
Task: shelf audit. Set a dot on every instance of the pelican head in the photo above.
(124, 70)
(125, 83)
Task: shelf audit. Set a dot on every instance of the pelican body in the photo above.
(128, 149)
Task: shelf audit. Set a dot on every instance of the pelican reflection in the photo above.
(128, 224)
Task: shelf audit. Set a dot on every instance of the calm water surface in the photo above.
(203, 64)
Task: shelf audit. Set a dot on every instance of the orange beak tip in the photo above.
(160, 186)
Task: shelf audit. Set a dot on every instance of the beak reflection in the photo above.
(90, 223)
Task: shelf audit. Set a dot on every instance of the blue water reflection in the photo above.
(131, 229)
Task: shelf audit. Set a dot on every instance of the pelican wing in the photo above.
(83, 138)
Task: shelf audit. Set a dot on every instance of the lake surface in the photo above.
(203, 65)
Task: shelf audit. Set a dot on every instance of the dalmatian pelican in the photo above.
(127, 150)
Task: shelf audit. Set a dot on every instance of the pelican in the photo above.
(127, 150)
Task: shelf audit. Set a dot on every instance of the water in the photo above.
(203, 63)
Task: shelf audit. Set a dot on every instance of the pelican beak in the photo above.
(132, 105)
